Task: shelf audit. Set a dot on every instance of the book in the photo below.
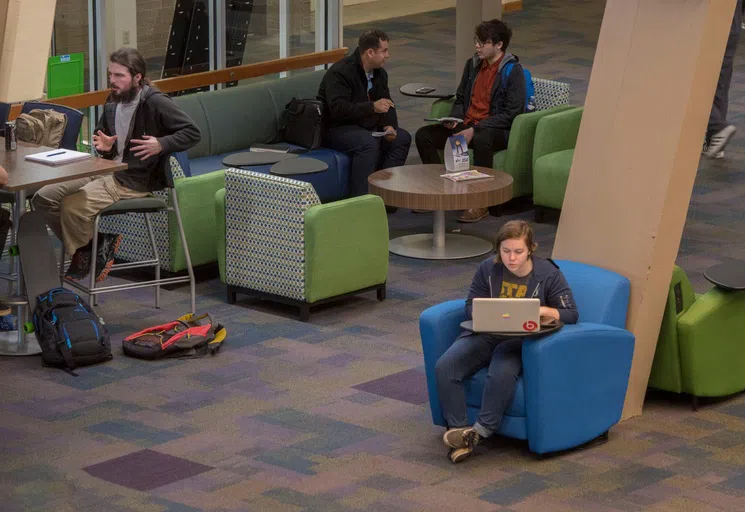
(380, 134)
(444, 119)
(465, 175)
(272, 148)
(58, 157)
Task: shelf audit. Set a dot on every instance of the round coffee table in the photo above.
(250, 158)
(421, 187)
(728, 276)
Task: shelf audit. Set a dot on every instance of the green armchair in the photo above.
(276, 241)
(700, 349)
(517, 159)
(553, 151)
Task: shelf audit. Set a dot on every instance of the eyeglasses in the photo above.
(479, 43)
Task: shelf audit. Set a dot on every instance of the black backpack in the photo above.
(69, 332)
(303, 123)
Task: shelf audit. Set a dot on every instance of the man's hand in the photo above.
(3, 176)
(449, 124)
(146, 147)
(102, 142)
(467, 133)
(390, 133)
(382, 105)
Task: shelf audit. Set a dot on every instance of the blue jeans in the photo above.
(468, 354)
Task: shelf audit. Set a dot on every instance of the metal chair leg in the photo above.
(156, 256)
(94, 251)
(192, 285)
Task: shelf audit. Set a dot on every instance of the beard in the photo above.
(124, 96)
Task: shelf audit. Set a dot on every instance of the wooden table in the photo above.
(421, 187)
(22, 176)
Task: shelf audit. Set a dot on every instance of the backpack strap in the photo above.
(66, 351)
(156, 328)
(506, 71)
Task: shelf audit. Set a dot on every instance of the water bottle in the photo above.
(531, 104)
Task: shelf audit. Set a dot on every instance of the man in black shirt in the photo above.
(357, 104)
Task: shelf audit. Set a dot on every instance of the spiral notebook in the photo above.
(56, 157)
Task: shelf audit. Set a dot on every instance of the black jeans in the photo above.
(432, 138)
(367, 153)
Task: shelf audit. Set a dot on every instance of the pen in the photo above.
(55, 154)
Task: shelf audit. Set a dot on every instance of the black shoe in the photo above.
(391, 209)
(108, 246)
(80, 264)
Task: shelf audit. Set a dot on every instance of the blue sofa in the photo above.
(574, 381)
(233, 119)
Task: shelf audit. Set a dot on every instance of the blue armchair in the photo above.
(574, 381)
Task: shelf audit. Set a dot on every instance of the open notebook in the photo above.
(58, 156)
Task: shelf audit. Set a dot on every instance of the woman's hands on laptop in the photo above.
(548, 315)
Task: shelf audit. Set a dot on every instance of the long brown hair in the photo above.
(515, 230)
(133, 60)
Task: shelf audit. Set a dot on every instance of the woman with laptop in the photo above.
(514, 273)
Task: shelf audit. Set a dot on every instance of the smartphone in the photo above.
(425, 90)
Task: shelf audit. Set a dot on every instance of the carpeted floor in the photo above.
(331, 414)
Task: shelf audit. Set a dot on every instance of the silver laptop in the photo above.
(506, 315)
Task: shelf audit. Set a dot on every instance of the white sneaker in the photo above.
(719, 140)
(719, 155)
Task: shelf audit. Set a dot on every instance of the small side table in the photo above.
(467, 325)
(728, 276)
(297, 166)
(410, 90)
(249, 158)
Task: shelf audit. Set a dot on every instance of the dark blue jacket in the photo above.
(547, 284)
(507, 101)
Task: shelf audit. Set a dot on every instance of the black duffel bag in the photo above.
(303, 123)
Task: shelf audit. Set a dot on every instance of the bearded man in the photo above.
(140, 127)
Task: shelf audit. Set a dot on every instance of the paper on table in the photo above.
(465, 175)
(444, 119)
(58, 156)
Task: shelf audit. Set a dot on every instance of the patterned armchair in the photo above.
(196, 201)
(517, 159)
(278, 242)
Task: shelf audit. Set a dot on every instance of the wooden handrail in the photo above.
(181, 83)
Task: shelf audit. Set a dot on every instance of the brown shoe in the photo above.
(473, 215)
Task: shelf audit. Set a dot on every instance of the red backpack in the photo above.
(185, 337)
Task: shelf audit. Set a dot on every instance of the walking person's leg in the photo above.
(719, 131)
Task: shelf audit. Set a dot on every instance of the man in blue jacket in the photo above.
(486, 105)
(357, 103)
